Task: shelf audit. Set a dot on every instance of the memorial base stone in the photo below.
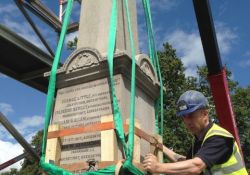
(83, 97)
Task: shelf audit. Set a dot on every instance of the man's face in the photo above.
(196, 121)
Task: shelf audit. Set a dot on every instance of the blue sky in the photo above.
(174, 22)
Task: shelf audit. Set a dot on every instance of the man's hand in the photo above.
(150, 163)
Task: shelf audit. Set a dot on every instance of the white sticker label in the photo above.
(184, 107)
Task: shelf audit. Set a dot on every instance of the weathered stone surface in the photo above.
(82, 105)
(80, 59)
(144, 62)
(79, 154)
(94, 26)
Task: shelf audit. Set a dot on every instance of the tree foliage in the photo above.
(175, 83)
(29, 165)
(13, 171)
(71, 45)
(241, 104)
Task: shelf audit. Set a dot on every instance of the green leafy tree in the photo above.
(71, 45)
(13, 171)
(175, 83)
(30, 166)
(241, 104)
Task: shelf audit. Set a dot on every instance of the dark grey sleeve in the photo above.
(216, 150)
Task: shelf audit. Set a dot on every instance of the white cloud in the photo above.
(143, 37)
(156, 6)
(163, 5)
(189, 47)
(222, 8)
(3, 76)
(245, 63)
(23, 29)
(225, 36)
(7, 8)
(9, 13)
(5, 135)
(6, 108)
(247, 54)
(28, 126)
(3, 132)
(12, 18)
(30, 136)
(33, 121)
(8, 151)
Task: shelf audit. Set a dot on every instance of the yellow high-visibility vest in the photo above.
(234, 165)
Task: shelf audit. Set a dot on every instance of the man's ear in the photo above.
(204, 112)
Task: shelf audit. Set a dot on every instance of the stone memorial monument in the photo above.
(83, 92)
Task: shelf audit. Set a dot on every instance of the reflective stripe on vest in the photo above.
(234, 165)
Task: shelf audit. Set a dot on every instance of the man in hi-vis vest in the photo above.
(214, 150)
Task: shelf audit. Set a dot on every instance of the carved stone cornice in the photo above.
(144, 63)
(80, 59)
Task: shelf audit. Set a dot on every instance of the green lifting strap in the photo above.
(111, 48)
(155, 61)
(50, 168)
(52, 80)
(132, 90)
(51, 93)
(127, 166)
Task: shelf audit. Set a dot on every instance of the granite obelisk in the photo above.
(83, 93)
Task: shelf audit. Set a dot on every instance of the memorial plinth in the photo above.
(83, 98)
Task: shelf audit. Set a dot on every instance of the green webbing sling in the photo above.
(50, 168)
(111, 48)
(127, 166)
(155, 62)
(132, 90)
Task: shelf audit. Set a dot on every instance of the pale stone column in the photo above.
(94, 26)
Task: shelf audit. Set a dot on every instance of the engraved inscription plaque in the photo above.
(82, 105)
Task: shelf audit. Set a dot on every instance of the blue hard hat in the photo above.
(190, 101)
